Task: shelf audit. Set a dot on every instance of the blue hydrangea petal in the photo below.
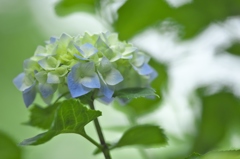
(80, 57)
(106, 90)
(113, 77)
(91, 82)
(145, 69)
(53, 40)
(105, 100)
(47, 89)
(88, 50)
(29, 95)
(75, 87)
(153, 75)
(52, 78)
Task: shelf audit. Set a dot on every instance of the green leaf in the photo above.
(8, 148)
(65, 7)
(234, 154)
(130, 93)
(42, 117)
(220, 115)
(194, 156)
(135, 15)
(71, 117)
(234, 49)
(142, 135)
(193, 16)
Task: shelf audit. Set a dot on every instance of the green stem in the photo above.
(92, 141)
(105, 148)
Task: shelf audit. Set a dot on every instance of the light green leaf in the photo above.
(71, 117)
(220, 114)
(135, 15)
(142, 135)
(131, 93)
(42, 117)
(8, 148)
(234, 154)
(65, 7)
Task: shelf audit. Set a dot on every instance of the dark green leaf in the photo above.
(222, 155)
(8, 148)
(130, 93)
(65, 7)
(194, 156)
(142, 135)
(234, 49)
(135, 15)
(71, 117)
(42, 117)
(220, 113)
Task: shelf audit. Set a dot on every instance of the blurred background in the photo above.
(195, 46)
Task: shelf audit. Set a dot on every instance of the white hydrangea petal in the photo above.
(40, 50)
(101, 45)
(129, 50)
(87, 69)
(52, 78)
(65, 39)
(49, 63)
(41, 77)
(105, 65)
(113, 38)
(138, 60)
(113, 77)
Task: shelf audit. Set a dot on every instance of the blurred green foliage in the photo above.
(9, 148)
(220, 113)
(234, 49)
(66, 7)
(194, 17)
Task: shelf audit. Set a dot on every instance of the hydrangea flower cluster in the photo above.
(81, 64)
